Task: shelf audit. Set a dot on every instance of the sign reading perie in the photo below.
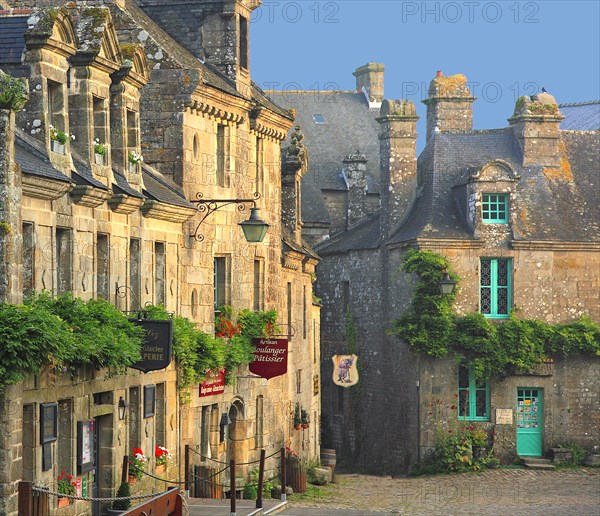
(270, 357)
(157, 345)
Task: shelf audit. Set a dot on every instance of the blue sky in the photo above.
(505, 48)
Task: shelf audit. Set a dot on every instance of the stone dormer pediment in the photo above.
(52, 28)
(98, 40)
(495, 170)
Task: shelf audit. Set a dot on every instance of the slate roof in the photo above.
(157, 187)
(82, 175)
(447, 160)
(349, 126)
(365, 235)
(12, 39)
(32, 157)
(581, 116)
(121, 186)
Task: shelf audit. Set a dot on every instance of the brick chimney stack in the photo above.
(449, 105)
(398, 143)
(356, 175)
(371, 77)
(536, 125)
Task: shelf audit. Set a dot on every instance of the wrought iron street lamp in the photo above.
(122, 408)
(254, 228)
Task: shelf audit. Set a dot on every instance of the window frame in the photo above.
(500, 201)
(494, 287)
(471, 391)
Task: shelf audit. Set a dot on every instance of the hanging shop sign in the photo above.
(345, 372)
(214, 383)
(270, 357)
(157, 345)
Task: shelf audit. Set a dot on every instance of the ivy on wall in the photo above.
(431, 328)
(66, 333)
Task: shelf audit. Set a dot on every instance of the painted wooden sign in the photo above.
(345, 372)
(270, 357)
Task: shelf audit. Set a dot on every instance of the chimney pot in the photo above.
(439, 73)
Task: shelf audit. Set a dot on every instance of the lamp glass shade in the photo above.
(254, 228)
(122, 408)
(447, 284)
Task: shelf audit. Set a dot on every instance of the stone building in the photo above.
(515, 212)
(130, 76)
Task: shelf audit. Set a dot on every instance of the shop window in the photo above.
(473, 395)
(64, 451)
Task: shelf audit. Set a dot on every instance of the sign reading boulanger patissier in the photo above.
(270, 357)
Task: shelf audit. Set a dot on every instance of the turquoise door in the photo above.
(529, 422)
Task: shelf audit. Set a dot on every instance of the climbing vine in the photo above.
(430, 327)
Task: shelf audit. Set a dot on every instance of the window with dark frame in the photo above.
(220, 282)
(135, 278)
(64, 260)
(160, 271)
(102, 266)
(28, 276)
(243, 42)
(258, 285)
(149, 401)
(221, 158)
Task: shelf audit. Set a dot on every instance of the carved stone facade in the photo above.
(99, 222)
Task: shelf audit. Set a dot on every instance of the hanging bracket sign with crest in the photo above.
(345, 372)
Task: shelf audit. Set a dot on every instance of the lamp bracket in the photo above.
(208, 206)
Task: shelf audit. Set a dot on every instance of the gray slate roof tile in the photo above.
(121, 185)
(159, 188)
(581, 116)
(12, 39)
(32, 157)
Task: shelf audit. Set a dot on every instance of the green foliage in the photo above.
(13, 92)
(429, 327)
(62, 332)
(123, 492)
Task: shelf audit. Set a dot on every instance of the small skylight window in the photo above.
(319, 119)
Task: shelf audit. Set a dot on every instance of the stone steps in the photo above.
(537, 463)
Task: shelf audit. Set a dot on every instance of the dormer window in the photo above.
(494, 208)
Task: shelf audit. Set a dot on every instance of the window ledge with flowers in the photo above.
(100, 152)
(137, 460)
(59, 139)
(134, 159)
(162, 456)
(65, 486)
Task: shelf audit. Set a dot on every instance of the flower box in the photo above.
(98, 159)
(57, 147)
(63, 502)
(133, 168)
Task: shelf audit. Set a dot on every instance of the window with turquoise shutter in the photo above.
(473, 395)
(494, 208)
(495, 287)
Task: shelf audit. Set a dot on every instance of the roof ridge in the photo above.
(576, 104)
(313, 91)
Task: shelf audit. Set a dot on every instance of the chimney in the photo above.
(216, 31)
(398, 143)
(449, 105)
(294, 166)
(536, 125)
(370, 77)
(356, 175)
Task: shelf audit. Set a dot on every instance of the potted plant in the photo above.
(59, 139)
(297, 417)
(162, 455)
(134, 159)
(119, 506)
(305, 420)
(137, 459)
(100, 151)
(66, 487)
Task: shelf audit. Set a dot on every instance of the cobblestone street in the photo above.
(492, 492)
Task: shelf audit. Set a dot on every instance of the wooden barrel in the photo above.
(296, 474)
(328, 458)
